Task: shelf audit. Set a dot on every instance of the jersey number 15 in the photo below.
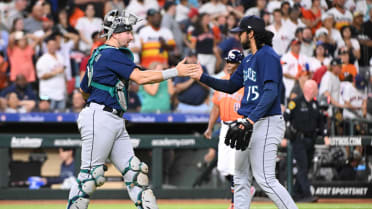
(252, 93)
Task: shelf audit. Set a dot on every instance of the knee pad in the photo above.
(138, 175)
(78, 202)
(146, 200)
(95, 179)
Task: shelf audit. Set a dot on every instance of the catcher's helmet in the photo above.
(234, 56)
(116, 21)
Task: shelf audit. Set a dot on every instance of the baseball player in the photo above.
(101, 124)
(262, 127)
(226, 107)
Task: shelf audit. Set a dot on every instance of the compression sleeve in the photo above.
(228, 86)
(268, 97)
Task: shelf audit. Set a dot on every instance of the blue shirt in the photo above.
(23, 94)
(195, 94)
(108, 67)
(254, 71)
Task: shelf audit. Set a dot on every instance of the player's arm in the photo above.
(229, 86)
(215, 113)
(153, 76)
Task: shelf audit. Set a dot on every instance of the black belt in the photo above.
(119, 113)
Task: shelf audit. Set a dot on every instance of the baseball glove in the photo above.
(239, 134)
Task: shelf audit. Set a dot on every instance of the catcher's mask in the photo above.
(118, 22)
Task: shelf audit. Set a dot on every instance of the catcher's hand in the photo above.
(239, 134)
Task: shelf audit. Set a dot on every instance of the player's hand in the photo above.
(198, 73)
(186, 69)
(208, 134)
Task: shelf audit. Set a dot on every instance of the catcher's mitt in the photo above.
(239, 134)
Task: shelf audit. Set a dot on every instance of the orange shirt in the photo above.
(309, 15)
(229, 104)
(21, 63)
(346, 70)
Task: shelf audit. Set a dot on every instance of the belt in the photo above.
(119, 113)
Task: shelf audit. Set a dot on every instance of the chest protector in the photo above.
(120, 90)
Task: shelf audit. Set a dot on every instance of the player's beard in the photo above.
(246, 45)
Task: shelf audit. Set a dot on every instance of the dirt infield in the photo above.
(176, 201)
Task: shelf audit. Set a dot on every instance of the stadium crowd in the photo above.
(45, 46)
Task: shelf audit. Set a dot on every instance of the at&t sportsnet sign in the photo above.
(342, 190)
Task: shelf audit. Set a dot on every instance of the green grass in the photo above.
(190, 206)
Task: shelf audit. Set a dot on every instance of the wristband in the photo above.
(170, 73)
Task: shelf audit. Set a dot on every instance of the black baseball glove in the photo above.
(239, 134)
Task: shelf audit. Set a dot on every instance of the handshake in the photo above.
(239, 134)
(192, 70)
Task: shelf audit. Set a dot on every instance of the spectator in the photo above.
(334, 36)
(312, 17)
(18, 25)
(22, 89)
(14, 105)
(213, 8)
(156, 41)
(353, 97)
(33, 22)
(3, 73)
(134, 103)
(168, 21)
(352, 44)
(330, 84)
(78, 101)
(156, 97)
(86, 26)
(342, 16)
(257, 10)
(307, 44)
(293, 62)
(113, 4)
(47, 30)
(361, 30)
(17, 12)
(281, 37)
(363, 7)
(43, 105)
(50, 70)
(140, 8)
(285, 7)
(21, 54)
(63, 24)
(347, 67)
(320, 58)
(190, 93)
(294, 21)
(203, 42)
(182, 10)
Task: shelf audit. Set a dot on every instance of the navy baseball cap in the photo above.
(250, 23)
(360, 82)
(336, 61)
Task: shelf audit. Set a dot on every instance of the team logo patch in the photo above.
(291, 105)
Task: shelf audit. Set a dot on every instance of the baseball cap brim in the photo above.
(236, 30)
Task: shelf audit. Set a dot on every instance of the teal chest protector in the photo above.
(119, 91)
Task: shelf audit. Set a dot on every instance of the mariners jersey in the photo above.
(110, 66)
(253, 72)
(228, 104)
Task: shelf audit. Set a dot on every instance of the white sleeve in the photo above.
(41, 67)
(324, 85)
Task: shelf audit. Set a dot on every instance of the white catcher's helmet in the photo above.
(117, 22)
